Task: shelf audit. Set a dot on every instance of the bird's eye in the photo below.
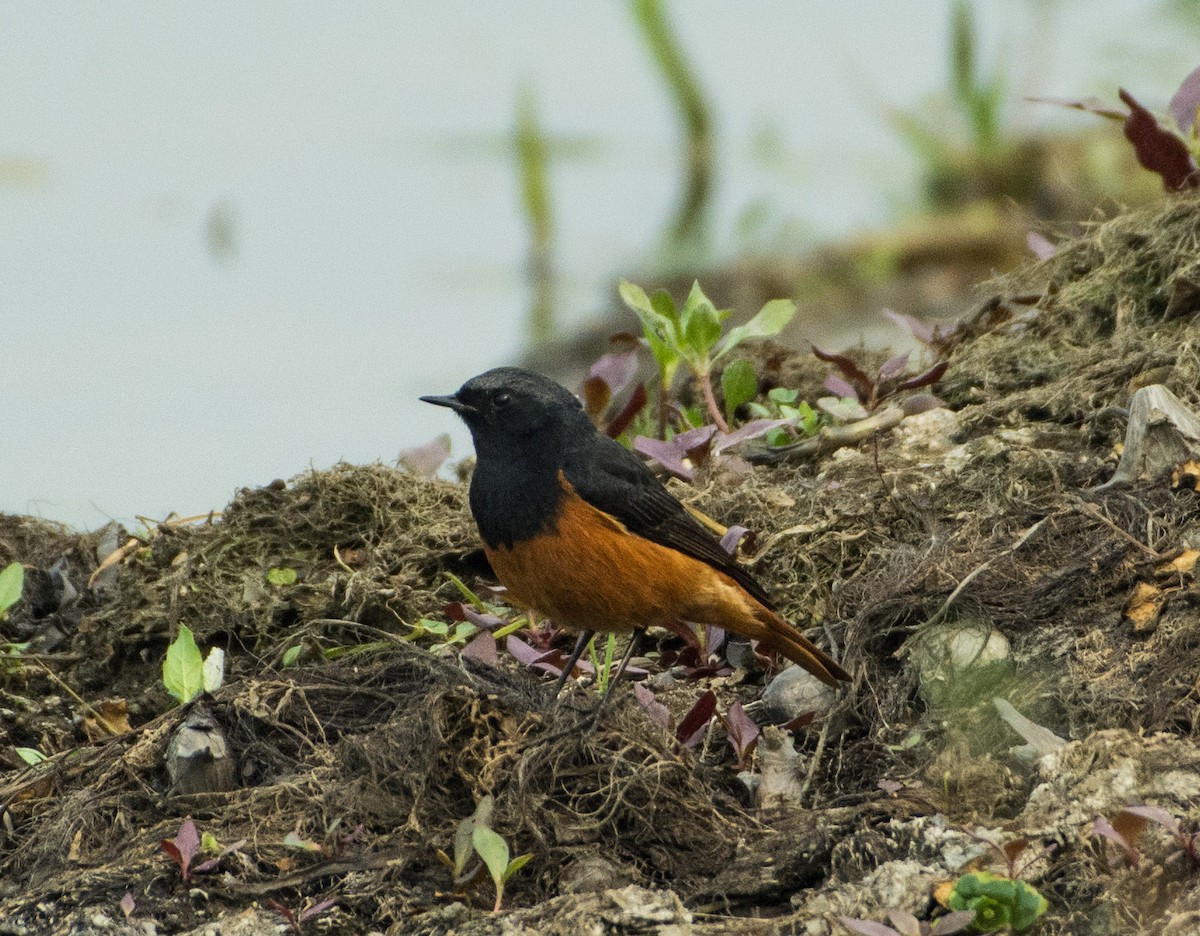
(501, 399)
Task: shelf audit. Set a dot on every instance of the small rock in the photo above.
(591, 874)
(795, 692)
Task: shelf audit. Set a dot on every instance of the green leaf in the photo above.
(292, 654)
(492, 848)
(31, 756)
(12, 580)
(209, 844)
(739, 384)
(283, 576)
(183, 668)
(783, 395)
(516, 865)
(770, 320)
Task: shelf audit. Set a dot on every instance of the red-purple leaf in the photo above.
(894, 366)
(750, 430)
(671, 454)
(1186, 101)
(656, 710)
(184, 847)
(695, 723)
(1102, 827)
(610, 374)
(742, 732)
(849, 368)
(868, 927)
(954, 922)
(1158, 149)
(841, 388)
(802, 720)
(544, 660)
(483, 649)
(922, 332)
(1157, 815)
(931, 376)
(1040, 246)
(128, 905)
(621, 421)
(906, 924)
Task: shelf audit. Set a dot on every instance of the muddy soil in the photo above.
(358, 743)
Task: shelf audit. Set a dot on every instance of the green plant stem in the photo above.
(689, 224)
(533, 156)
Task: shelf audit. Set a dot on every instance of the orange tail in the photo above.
(777, 634)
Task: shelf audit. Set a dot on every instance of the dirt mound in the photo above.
(975, 526)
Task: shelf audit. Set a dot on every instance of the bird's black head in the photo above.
(511, 410)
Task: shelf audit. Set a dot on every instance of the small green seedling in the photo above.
(785, 403)
(603, 671)
(475, 837)
(1000, 903)
(186, 674)
(693, 336)
(31, 756)
(12, 581)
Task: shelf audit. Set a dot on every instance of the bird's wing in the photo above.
(611, 478)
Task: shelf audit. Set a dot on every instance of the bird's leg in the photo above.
(576, 653)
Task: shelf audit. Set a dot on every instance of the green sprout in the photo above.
(185, 673)
(694, 335)
(476, 837)
(1000, 903)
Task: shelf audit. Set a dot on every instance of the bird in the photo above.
(580, 530)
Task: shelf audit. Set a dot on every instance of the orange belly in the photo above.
(592, 574)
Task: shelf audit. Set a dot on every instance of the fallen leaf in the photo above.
(1182, 564)
(1144, 606)
(106, 719)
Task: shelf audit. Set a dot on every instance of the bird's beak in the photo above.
(451, 402)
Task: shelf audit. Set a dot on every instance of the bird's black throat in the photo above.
(515, 497)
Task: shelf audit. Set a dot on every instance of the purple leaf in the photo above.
(128, 905)
(890, 786)
(538, 659)
(1040, 246)
(868, 927)
(1185, 102)
(733, 536)
(742, 732)
(671, 454)
(905, 922)
(894, 366)
(841, 388)
(621, 421)
(1158, 149)
(610, 375)
(922, 332)
(850, 370)
(183, 847)
(426, 459)
(1091, 105)
(482, 649)
(656, 710)
(1157, 815)
(692, 728)
(1101, 827)
(751, 430)
(920, 403)
(954, 922)
(931, 376)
